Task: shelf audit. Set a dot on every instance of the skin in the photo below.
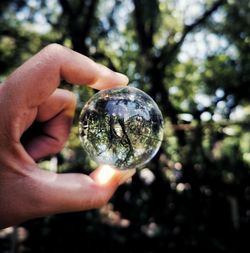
(31, 94)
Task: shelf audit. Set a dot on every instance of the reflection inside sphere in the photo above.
(122, 127)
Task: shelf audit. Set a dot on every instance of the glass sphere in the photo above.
(122, 127)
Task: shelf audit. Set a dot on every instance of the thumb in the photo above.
(108, 179)
(40, 193)
(106, 175)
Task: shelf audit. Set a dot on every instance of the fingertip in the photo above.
(107, 175)
(126, 175)
(106, 180)
(122, 79)
(107, 79)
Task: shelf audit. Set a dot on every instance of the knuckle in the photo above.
(67, 98)
(53, 47)
(53, 51)
(71, 96)
(70, 100)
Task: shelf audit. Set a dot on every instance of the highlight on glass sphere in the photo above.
(121, 127)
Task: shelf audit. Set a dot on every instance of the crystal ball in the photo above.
(121, 127)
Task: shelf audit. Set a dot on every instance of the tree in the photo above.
(201, 172)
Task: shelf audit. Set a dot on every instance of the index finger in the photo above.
(37, 78)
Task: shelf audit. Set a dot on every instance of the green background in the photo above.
(193, 58)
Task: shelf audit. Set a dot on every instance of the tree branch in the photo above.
(170, 51)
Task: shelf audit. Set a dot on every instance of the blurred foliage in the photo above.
(193, 58)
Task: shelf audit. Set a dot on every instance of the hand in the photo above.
(31, 94)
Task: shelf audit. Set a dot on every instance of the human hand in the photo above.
(30, 94)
